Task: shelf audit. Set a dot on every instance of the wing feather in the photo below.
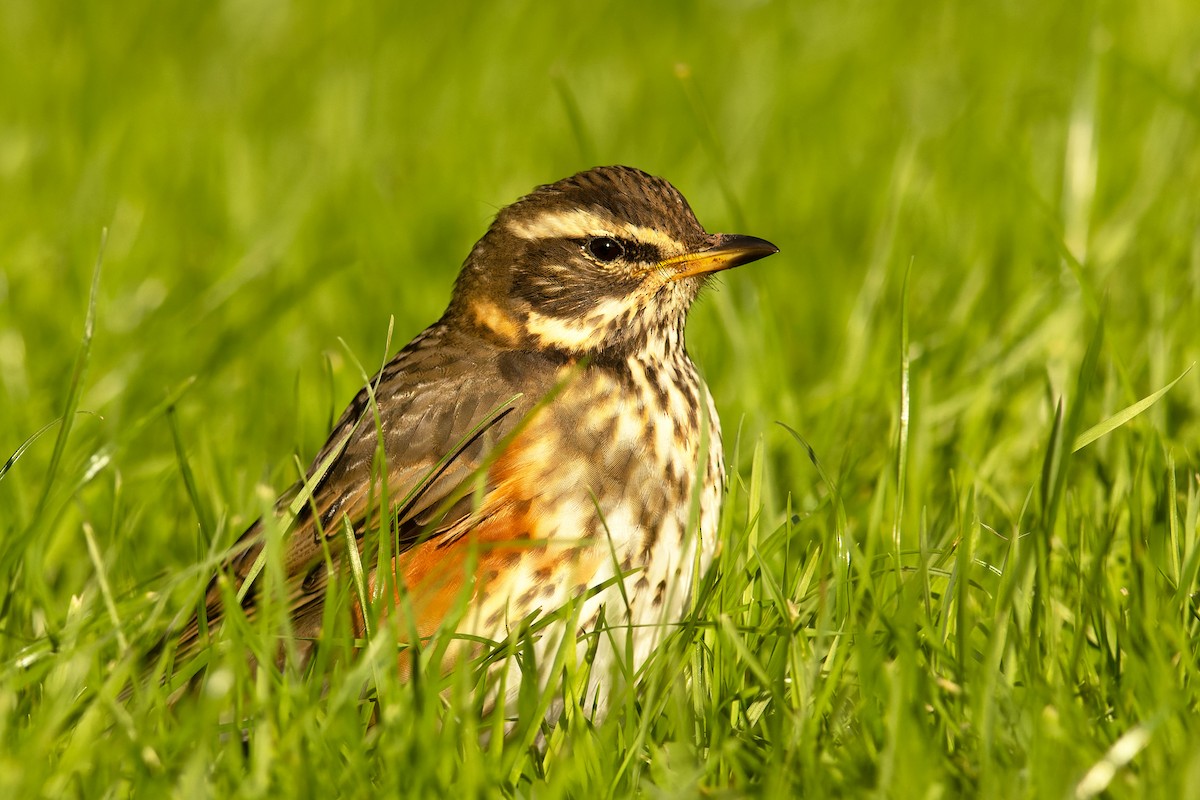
(442, 412)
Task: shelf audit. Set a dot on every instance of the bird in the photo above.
(543, 443)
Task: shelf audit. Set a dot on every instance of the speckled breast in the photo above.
(598, 487)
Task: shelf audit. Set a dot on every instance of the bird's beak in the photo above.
(731, 250)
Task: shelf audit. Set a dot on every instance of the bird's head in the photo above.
(602, 264)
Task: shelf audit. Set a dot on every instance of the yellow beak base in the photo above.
(731, 250)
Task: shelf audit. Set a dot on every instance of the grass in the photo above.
(990, 243)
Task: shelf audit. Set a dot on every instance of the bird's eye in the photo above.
(605, 248)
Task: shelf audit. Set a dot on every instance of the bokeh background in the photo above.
(275, 176)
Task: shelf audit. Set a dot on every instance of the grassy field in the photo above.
(989, 219)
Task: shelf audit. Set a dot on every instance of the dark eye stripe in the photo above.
(635, 251)
(642, 252)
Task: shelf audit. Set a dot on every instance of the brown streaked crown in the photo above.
(605, 262)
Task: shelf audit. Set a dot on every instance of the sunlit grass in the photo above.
(954, 569)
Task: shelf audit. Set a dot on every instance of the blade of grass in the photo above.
(110, 605)
(75, 386)
(356, 574)
(29, 441)
(203, 517)
(902, 430)
(1126, 414)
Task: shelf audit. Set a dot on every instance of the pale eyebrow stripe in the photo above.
(579, 224)
(560, 224)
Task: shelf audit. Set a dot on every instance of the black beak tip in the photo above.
(745, 248)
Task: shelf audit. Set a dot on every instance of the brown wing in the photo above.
(444, 402)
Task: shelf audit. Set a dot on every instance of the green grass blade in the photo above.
(902, 430)
(356, 573)
(29, 441)
(189, 478)
(110, 605)
(1118, 419)
(78, 374)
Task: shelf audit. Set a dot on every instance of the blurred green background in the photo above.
(276, 175)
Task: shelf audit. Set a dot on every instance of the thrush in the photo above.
(541, 443)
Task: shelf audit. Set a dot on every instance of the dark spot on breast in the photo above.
(543, 574)
(642, 585)
(650, 516)
(622, 466)
(660, 592)
(647, 553)
(680, 480)
(526, 599)
(657, 384)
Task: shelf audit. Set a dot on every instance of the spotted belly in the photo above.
(587, 515)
